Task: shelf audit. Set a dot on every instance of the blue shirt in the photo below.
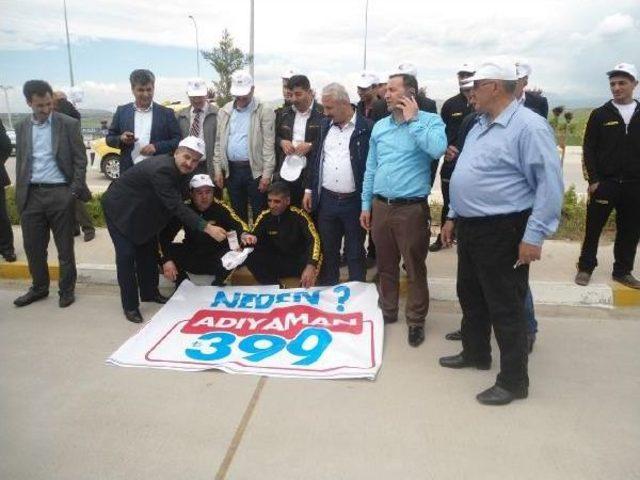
(44, 168)
(507, 166)
(239, 124)
(400, 156)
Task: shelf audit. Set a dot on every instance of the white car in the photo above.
(12, 136)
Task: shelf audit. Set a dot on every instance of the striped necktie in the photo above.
(194, 131)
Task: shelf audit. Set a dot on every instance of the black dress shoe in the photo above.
(457, 335)
(436, 246)
(531, 339)
(458, 361)
(389, 319)
(9, 256)
(157, 298)
(497, 395)
(133, 316)
(416, 335)
(30, 297)
(627, 280)
(89, 235)
(66, 299)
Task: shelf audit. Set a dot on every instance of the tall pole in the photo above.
(366, 27)
(66, 27)
(251, 36)
(197, 45)
(6, 99)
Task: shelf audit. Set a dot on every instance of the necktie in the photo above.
(194, 131)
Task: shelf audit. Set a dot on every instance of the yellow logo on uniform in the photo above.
(457, 114)
(611, 123)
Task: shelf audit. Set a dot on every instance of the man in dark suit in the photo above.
(533, 100)
(199, 120)
(142, 128)
(137, 207)
(334, 184)
(297, 134)
(6, 233)
(51, 164)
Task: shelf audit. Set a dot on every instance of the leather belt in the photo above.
(400, 200)
(338, 195)
(48, 185)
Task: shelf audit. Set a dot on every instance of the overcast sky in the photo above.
(569, 43)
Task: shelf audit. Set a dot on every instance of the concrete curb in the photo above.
(441, 288)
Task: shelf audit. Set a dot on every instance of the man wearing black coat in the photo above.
(137, 207)
(6, 233)
(532, 100)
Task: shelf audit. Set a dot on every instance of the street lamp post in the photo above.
(195, 25)
(6, 99)
(366, 27)
(66, 28)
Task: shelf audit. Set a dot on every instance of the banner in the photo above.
(333, 332)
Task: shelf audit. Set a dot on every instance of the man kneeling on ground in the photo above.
(288, 244)
(199, 253)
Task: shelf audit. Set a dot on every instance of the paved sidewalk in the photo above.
(67, 415)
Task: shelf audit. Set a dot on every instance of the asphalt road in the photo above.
(97, 182)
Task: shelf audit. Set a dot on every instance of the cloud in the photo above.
(615, 24)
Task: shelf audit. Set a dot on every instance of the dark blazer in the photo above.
(537, 103)
(165, 131)
(69, 151)
(284, 131)
(210, 124)
(5, 152)
(358, 148)
(142, 201)
(380, 111)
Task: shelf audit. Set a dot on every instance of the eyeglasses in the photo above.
(477, 85)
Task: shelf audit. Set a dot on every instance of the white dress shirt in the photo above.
(300, 124)
(337, 174)
(142, 120)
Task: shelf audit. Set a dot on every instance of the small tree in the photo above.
(225, 59)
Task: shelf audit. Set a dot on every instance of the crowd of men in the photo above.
(306, 183)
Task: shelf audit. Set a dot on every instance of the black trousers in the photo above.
(625, 199)
(137, 268)
(492, 293)
(269, 267)
(6, 233)
(188, 260)
(49, 209)
(444, 185)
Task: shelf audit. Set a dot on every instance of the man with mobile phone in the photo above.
(397, 182)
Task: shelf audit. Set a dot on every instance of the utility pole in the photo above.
(251, 37)
(197, 44)
(66, 27)
(366, 27)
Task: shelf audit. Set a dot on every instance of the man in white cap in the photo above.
(198, 253)
(244, 157)
(611, 165)
(453, 111)
(368, 93)
(137, 207)
(506, 196)
(199, 120)
(533, 100)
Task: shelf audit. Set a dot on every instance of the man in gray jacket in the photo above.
(244, 156)
(51, 164)
(199, 120)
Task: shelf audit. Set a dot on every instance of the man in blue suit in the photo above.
(142, 128)
(334, 184)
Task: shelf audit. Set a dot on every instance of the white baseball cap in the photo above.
(196, 88)
(201, 180)
(466, 84)
(241, 83)
(292, 167)
(366, 79)
(407, 68)
(193, 143)
(466, 68)
(288, 73)
(523, 70)
(628, 68)
(495, 70)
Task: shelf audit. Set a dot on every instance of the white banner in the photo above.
(333, 332)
